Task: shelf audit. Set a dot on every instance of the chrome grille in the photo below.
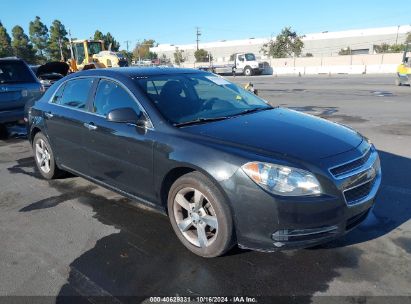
(350, 166)
(358, 193)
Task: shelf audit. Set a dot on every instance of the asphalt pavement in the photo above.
(71, 237)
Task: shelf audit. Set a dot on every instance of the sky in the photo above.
(175, 21)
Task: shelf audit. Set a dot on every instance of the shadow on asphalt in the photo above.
(145, 258)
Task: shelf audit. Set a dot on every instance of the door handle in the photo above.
(91, 126)
(48, 114)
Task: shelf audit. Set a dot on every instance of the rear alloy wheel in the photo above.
(44, 157)
(199, 216)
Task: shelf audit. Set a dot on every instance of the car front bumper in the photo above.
(266, 222)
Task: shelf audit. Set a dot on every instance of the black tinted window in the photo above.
(110, 96)
(75, 93)
(15, 72)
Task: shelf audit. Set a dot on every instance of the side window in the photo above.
(75, 93)
(57, 96)
(110, 96)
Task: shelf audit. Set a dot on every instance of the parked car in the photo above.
(50, 72)
(18, 85)
(225, 166)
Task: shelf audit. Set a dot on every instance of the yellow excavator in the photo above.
(404, 69)
(90, 54)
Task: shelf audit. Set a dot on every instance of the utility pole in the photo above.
(61, 50)
(396, 39)
(127, 42)
(198, 34)
(71, 45)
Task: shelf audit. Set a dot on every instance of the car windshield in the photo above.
(194, 98)
(250, 57)
(15, 72)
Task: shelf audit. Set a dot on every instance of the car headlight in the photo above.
(282, 180)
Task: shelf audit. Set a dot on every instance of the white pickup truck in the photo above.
(239, 63)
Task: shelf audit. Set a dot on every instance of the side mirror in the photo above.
(128, 115)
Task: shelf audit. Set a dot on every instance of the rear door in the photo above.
(65, 117)
(119, 154)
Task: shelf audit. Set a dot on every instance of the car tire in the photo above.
(44, 157)
(207, 229)
(248, 71)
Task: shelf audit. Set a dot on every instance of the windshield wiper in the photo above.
(200, 121)
(252, 111)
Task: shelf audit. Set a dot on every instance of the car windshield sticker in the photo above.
(218, 80)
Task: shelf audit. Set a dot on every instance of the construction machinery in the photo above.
(90, 54)
(404, 69)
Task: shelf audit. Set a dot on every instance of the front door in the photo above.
(119, 154)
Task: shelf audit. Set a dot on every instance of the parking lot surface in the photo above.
(71, 237)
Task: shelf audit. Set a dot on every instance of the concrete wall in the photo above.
(355, 64)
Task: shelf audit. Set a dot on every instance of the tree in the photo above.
(99, 35)
(21, 45)
(408, 39)
(142, 50)
(5, 42)
(201, 55)
(389, 48)
(346, 51)
(39, 36)
(109, 41)
(382, 48)
(164, 59)
(286, 44)
(309, 55)
(397, 48)
(57, 46)
(178, 56)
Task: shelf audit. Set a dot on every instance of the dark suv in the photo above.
(18, 86)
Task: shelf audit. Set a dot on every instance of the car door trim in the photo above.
(148, 203)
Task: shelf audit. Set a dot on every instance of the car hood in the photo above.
(58, 67)
(283, 131)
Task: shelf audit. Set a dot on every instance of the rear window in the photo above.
(15, 72)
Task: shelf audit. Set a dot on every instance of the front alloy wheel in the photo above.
(195, 217)
(200, 215)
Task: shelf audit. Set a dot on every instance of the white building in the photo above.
(360, 41)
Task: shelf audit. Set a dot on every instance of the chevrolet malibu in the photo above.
(225, 166)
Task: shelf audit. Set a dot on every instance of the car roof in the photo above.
(135, 72)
